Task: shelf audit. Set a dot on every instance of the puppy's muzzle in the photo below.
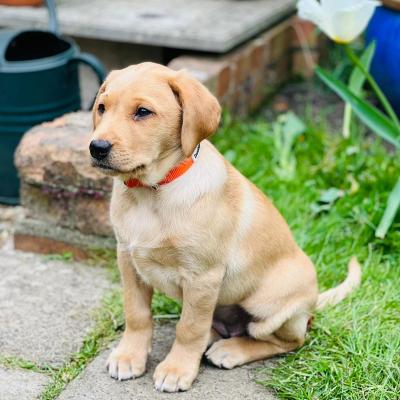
(100, 149)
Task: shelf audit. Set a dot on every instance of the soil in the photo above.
(309, 100)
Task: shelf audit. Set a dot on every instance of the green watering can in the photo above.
(38, 82)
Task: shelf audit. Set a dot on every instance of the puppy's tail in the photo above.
(337, 294)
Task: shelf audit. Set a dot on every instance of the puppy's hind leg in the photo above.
(229, 353)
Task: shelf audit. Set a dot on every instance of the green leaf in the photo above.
(331, 195)
(371, 116)
(286, 130)
(357, 78)
(293, 126)
(326, 200)
(392, 207)
(356, 83)
(374, 85)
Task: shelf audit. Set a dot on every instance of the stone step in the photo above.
(207, 25)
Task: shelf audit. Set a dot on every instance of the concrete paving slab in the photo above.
(46, 306)
(212, 383)
(210, 25)
(21, 384)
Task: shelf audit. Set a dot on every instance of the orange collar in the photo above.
(173, 174)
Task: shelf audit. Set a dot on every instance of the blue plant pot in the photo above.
(384, 28)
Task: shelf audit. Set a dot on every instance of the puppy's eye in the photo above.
(142, 112)
(101, 108)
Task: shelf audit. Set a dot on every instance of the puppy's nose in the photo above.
(99, 149)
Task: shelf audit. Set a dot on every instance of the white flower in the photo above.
(341, 20)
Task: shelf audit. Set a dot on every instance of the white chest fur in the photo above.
(157, 228)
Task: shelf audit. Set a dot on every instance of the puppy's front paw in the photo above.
(124, 363)
(175, 376)
(226, 353)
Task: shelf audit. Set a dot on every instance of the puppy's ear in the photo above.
(201, 111)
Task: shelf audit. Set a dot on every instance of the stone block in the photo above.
(73, 208)
(56, 154)
(58, 185)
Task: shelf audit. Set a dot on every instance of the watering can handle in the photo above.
(94, 63)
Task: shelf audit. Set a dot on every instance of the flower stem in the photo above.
(347, 121)
(382, 98)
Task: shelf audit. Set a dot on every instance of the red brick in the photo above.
(205, 69)
(223, 83)
(303, 64)
(257, 57)
(280, 44)
(43, 245)
(304, 33)
(242, 67)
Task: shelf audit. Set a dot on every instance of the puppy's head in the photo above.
(148, 113)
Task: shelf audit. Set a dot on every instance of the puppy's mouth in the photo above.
(101, 165)
(111, 170)
(105, 167)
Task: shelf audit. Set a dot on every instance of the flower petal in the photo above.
(348, 23)
(332, 6)
(311, 10)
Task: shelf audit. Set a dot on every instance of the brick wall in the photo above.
(243, 78)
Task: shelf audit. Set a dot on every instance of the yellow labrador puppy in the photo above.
(190, 225)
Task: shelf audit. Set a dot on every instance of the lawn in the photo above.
(353, 349)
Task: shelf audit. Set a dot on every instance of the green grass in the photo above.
(16, 362)
(353, 349)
